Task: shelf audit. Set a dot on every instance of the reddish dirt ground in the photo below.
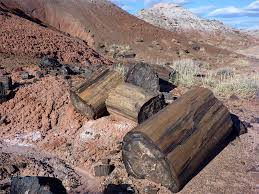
(41, 119)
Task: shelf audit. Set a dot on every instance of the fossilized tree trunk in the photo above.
(134, 102)
(171, 146)
(89, 98)
(145, 76)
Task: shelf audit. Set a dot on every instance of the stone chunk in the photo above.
(37, 185)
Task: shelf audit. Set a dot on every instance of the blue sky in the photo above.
(236, 13)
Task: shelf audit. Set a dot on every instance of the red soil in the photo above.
(22, 37)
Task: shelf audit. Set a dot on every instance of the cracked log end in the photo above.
(144, 160)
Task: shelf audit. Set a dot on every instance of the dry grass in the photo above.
(122, 69)
(240, 85)
(241, 63)
(185, 73)
(224, 82)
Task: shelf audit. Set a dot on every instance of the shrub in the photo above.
(241, 86)
(241, 63)
(225, 72)
(224, 82)
(185, 73)
(119, 67)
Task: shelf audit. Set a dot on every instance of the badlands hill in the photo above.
(178, 19)
(108, 28)
(23, 38)
(254, 33)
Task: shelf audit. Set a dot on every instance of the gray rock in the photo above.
(150, 190)
(36, 185)
(6, 81)
(233, 97)
(39, 74)
(169, 98)
(2, 120)
(254, 120)
(103, 170)
(25, 75)
(3, 93)
(143, 75)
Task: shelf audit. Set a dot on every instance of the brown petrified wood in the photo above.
(89, 98)
(134, 102)
(171, 146)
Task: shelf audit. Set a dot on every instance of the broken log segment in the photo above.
(145, 76)
(134, 102)
(89, 98)
(3, 93)
(172, 146)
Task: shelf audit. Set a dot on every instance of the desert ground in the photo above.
(41, 133)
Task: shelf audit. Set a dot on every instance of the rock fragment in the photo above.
(25, 75)
(6, 81)
(39, 185)
(254, 120)
(103, 170)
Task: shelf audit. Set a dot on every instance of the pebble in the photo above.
(254, 120)
(150, 190)
(233, 97)
(39, 74)
(2, 120)
(25, 75)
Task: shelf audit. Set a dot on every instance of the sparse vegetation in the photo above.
(240, 85)
(119, 67)
(224, 82)
(121, 51)
(185, 72)
(241, 63)
(225, 72)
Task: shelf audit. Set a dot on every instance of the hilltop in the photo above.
(178, 19)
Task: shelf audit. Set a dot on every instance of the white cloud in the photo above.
(253, 6)
(252, 10)
(152, 2)
(227, 11)
(202, 9)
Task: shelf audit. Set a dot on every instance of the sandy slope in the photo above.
(22, 37)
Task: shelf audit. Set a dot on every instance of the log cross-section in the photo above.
(171, 146)
(134, 103)
(89, 98)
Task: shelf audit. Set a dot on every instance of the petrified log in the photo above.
(171, 147)
(89, 98)
(134, 102)
(39, 185)
(6, 81)
(143, 75)
(3, 93)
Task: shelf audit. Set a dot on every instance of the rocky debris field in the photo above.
(43, 136)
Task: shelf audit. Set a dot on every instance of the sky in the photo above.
(242, 14)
